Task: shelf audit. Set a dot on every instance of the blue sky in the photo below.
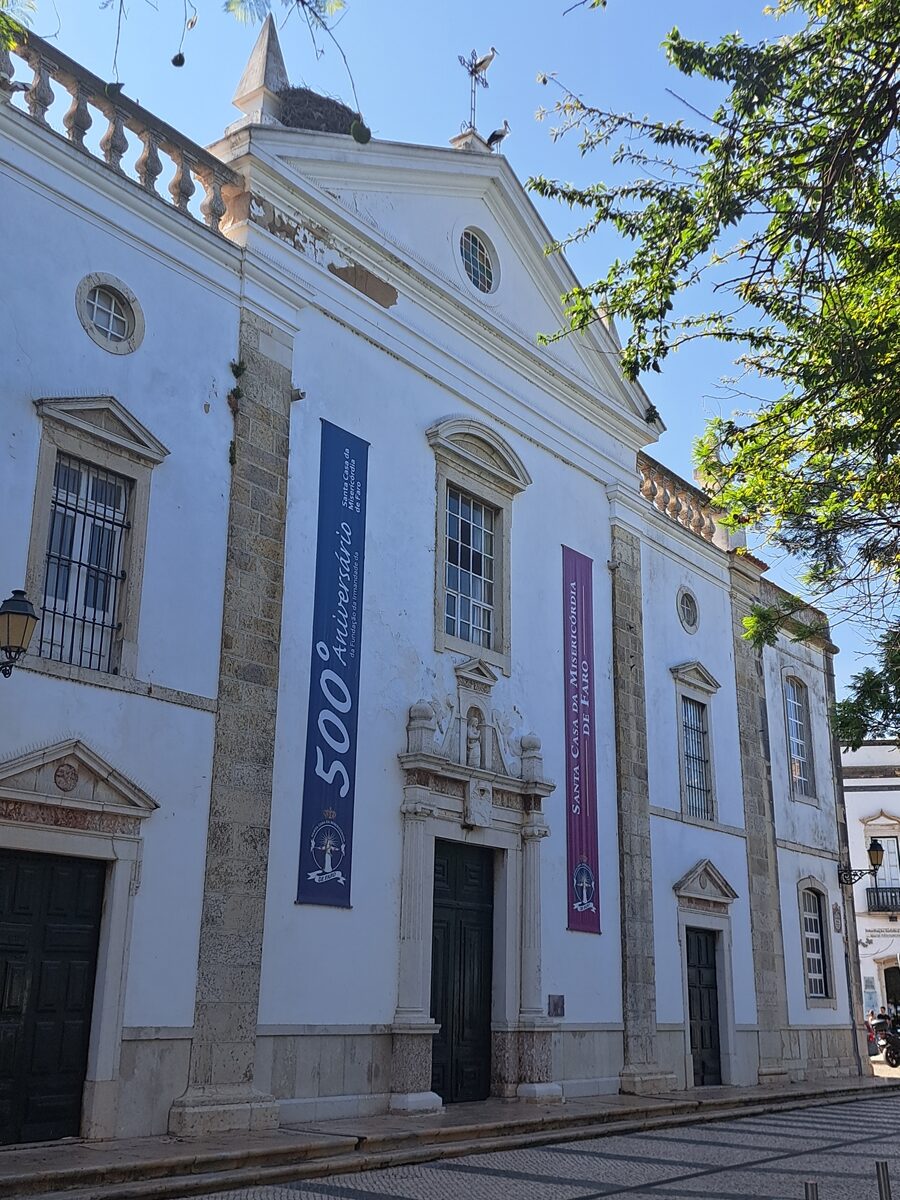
(403, 56)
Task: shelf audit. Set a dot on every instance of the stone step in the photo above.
(188, 1172)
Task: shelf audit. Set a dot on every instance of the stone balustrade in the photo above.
(163, 148)
(682, 502)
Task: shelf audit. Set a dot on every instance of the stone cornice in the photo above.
(442, 768)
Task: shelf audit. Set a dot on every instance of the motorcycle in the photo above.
(892, 1049)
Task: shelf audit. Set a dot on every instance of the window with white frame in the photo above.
(889, 871)
(695, 689)
(815, 958)
(84, 564)
(478, 477)
(799, 733)
(469, 568)
(695, 740)
(88, 532)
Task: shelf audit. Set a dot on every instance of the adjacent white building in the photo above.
(388, 738)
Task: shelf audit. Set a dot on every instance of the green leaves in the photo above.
(786, 199)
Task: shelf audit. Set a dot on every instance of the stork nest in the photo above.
(305, 109)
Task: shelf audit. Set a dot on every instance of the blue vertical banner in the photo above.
(329, 776)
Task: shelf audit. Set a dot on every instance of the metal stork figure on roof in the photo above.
(476, 67)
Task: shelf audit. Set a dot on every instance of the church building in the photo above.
(387, 738)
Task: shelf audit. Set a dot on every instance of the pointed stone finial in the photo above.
(264, 77)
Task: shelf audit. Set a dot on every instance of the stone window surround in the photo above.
(68, 429)
(695, 682)
(811, 883)
(460, 226)
(493, 476)
(788, 674)
(682, 592)
(101, 279)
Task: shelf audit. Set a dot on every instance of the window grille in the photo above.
(813, 946)
(799, 739)
(469, 569)
(109, 313)
(477, 261)
(697, 789)
(84, 565)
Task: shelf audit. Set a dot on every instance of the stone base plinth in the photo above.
(647, 1080)
(416, 1102)
(773, 1076)
(222, 1110)
(540, 1093)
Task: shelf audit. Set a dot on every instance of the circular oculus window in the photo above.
(109, 311)
(688, 612)
(478, 261)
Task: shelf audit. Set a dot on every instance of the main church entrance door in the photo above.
(461, 971)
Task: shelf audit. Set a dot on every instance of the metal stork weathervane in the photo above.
(476, 66)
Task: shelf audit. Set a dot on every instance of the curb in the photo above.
(179, 1176)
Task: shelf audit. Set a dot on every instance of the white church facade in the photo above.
(387, 738)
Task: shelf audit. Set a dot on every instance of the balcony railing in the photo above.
(163, 150)
(883, 899)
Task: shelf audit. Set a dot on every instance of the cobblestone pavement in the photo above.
(759, 1156)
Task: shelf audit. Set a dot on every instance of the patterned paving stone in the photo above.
(751, 1158)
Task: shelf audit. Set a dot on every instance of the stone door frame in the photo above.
(720, 925)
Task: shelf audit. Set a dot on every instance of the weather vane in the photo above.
(476, 68)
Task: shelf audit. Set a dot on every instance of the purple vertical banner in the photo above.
(583, 903)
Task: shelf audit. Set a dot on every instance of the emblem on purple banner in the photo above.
(329, 779)
(582, 906)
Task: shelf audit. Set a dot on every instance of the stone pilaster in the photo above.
(641, 1072)
(850, 939)
(221, 1094)
(759, 821)
(535, 1036)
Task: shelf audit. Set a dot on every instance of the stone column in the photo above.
(413, 1029)
(221, 1094)
(759, 821)
(850, 938)
(535, 1035)
(641, 1073)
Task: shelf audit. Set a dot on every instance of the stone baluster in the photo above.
(39, 95)
(182, 186)
(149, 164)
(213, 206)
(78, 119)
(114, 143)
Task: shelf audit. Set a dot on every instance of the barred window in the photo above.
(695, 752)
(110, 313)
(799, 737)
(813, 945)
(84, 564)
(477, 261)
(469, 582)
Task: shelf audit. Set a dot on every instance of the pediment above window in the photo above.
(478, 450)
(70, 775)
(704, 886)
(104, 420)
(695, 675)
(881, 818)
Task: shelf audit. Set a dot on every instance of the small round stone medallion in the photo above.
(65, 776)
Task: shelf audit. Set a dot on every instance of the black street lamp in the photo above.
(876, 858)
(17, 622)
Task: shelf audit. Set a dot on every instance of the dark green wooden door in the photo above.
(703, 1003)
(461, 971)
(49, 930)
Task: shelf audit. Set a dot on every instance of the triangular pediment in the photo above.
(706, 882)
(105, 420)
(695, 675)
(70, 774)
(475, 671)
(411, 205)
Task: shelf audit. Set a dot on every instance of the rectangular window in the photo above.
(695, 753)
(889, 871)
(84, 564)
(469, 531)
(799, 738)
(813, 946)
